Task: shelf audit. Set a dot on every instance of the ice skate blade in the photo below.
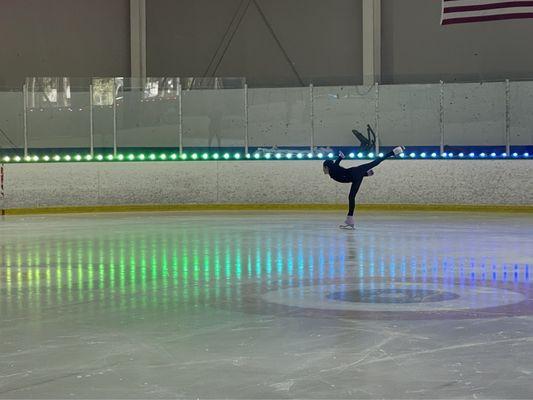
(347, 227)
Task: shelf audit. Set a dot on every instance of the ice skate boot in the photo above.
(370, 172)
(349, 223)
(398, 150)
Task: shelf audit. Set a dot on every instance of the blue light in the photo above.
(289, 155)
(515, 154)
(351, 155)
(331, 155)
(380, 155)
(433, 155)
(482, 155)
(526, 154)
(493, 154)
(320, 155)
(423, 155)
(471, 155)
(461, 155)
(278, 155)
(444, 155)
(359, 155)
(504, 154)
(370, 155)
(412, 155)
(402, 155)
(450, 155)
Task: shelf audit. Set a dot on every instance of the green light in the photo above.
(226, 156)
(205, 156)
(151, 156)
(17, 159)
(27, 158)
(194, 156)
(88, 157)
(267, 156)
(248, 156)
(120, 157)
(131, 157)
(215, 156)
(6, 159)
(173, 156)
(67, 158)
(35, 158)
(99, 157)
(110, 157)
(237, 156)
(141, 157)
(257, 155)
(77, 157)
(163, 156)
(183, 156)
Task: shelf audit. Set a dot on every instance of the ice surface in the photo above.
(266, 305)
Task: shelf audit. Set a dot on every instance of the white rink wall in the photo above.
(492, 182)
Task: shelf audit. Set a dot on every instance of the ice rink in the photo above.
(266, 305)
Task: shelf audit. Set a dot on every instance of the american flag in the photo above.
(461, 11)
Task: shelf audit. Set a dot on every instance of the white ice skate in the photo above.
(398, 150)
(349, 223)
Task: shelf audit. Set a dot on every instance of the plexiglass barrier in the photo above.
(114, 115)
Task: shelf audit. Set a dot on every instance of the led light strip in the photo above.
(252, 156)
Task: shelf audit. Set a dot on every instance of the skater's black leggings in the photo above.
(358, 173)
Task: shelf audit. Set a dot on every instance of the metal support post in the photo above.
(441, 117)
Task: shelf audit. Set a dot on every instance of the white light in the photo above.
(380, 155)
(195, 156)
(77, 157)
(359, 155)
(35, 158)
(248, 156)
(423, 155)
(482, 155)
(526, 154)
(205, 156)
(17, 159)
(99, 157)
(515, 154)
(67, 158)
(504, 154)
(433, 155)
(412, 155)
(256, 156)
(351, 155)
(278, 155)
(6, 159)
(120, 157)
(299, 155)
(268, 155)
(450, 154)
(320, 155)
(215, 156)
(461, 155)
(183, 156)
(471, 155)
(237, 156)
(330, 155)
(370, 155)
(289, 155)
(88, 157)
(444, 154)
(27, 158)
(493, 154)
(173, 156)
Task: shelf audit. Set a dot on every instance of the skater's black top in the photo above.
(338, 173)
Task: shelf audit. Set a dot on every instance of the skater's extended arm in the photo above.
(338, 160)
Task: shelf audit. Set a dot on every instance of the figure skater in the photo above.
(354, 176)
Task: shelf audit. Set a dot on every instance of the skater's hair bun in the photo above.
(328, 163)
